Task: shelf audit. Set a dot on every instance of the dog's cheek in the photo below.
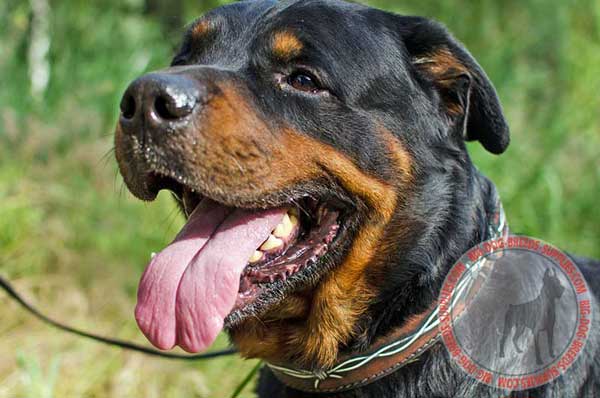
(345, 294)
(310, 333)
(232, 142)
(238, 151)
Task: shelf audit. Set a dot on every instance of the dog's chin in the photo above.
(308, 244)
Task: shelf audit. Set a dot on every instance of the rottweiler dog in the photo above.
(537, 315)
(318, 151)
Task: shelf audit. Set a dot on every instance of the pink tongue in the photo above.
(190, 287)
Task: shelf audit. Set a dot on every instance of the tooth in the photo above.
(256, 256)
(152, 255)
(284, 228)
(294, 219)
(271, 243)
(293, 212)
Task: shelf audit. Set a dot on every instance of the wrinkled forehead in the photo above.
(327, 30)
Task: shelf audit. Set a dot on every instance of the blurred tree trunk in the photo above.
(170, 14)
(39, 45)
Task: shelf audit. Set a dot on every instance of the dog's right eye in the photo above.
(304, 81)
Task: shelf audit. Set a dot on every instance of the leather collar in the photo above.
(388, 354)
(401, 347)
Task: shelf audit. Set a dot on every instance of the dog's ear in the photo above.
(465, 90)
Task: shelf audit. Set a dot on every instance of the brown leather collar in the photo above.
(401, 347)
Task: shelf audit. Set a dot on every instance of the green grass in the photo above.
(76, 242)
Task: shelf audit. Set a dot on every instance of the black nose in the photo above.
(159, 100)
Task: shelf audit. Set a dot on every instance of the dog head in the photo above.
(343, 126)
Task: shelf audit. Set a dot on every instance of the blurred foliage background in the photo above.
(75, 241)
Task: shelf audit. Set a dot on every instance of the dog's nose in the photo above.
(159, 101)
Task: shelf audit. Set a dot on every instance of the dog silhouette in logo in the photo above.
(537, 315)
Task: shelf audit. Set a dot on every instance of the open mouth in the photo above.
(301, 238)
(228, 263)
(299, 241)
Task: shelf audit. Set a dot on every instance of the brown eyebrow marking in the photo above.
(201, 28)
(286, 45)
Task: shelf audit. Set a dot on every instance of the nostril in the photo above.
(171, 105)
(159, 99)
(128, 106)
(162, 108)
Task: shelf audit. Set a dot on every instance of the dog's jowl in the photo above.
(318, 151)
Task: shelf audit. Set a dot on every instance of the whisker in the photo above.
(170, 220)
(105, 158)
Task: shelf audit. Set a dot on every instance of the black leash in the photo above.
(7, 287)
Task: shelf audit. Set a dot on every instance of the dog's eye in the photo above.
(304, 81)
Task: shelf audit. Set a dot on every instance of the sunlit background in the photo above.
(75, 241)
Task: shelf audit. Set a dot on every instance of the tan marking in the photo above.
(201, 28)
(442, 65)
(286, 45)
(444, 68)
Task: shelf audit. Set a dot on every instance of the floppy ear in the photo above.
(547, 273)
(465, 90)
